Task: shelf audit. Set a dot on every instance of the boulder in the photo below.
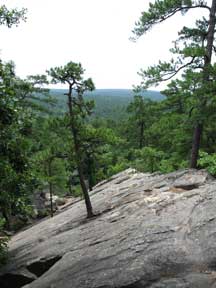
(152, 231)
(41, 204)
(60, 201)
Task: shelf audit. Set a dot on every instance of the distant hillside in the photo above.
(109, 103)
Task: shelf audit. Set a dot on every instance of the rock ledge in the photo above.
(153, 231)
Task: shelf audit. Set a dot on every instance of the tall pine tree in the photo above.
(192, 55)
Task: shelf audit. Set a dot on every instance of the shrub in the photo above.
(3, 244)
(208, 161)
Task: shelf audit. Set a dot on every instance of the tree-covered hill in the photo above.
(109, 103)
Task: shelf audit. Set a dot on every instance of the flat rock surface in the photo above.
(152, 231)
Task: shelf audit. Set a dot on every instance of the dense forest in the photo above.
(65, 141)
(109, 103)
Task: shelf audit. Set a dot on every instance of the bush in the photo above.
(208, 161)
(3, 244)
(147, 159)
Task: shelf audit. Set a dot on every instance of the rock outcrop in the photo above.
(41, 203)
(152, 231)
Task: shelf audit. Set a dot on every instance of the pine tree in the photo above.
(72, 75)
(192, 55)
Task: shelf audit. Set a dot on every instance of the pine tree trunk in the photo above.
(141, 135)
(50, 188)
(77, 157)
(69, 187)
(195, 145)
(207, 61)
(91, 174)
(81, 177)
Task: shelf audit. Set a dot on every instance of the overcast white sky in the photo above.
(93, 32)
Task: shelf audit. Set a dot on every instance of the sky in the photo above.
(93, 32)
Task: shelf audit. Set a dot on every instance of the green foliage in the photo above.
(71, 73)
(52, 149)
(208, 161)
(3, 244)
(16, 179)
(172, 162)
(78, 110)
(192, 58)
(11, 17)
(121, 165)
(97, 143)
(109, 103)
(142, 112)
(77, 191)
(148, 159)
(161, 10)
(13, 153)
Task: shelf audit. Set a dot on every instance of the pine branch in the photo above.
(160, 11)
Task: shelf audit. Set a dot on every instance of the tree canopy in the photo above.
(192, 56)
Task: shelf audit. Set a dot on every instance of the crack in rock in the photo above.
(10, 280)
(38, 268)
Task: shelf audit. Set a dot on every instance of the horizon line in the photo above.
(131, 89)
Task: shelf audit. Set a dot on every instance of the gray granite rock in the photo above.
(153, 231)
